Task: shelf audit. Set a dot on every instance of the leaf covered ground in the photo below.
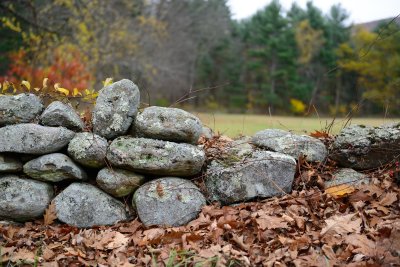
(309, 227)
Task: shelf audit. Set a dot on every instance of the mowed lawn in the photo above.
(234, 125)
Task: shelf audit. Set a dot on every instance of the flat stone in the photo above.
(88, 149)
(9, 164)
(347, 176)
(115, 109)
(32, 138)
(364, 147)
(54, 168)
(169, 124)
(118, 182)
(155, 156)
(23, 199)
(20, 108)
(60, 114)
(84, 205)
(168, 201)
(291, 144)
(264, 174)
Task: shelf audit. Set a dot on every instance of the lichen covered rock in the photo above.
(155, 156)
(32, 138)
(84, 205)
(169, 124)
(60, 114)
(116, 107)
(348, 177)
(118, 182)
(168, 201)
(9, 164)
(291, 144)
(364, 147)
(23, 199)
(54, 168)
(20, 108)
(88, 149)
(263, 174)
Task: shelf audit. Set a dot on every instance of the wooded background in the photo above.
(293, 62)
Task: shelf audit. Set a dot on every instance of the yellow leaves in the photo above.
(11, 23)
(6, 86)
(341, 190)
(297, 106)
(58, 88)
(309, 41)
(26, 84)
(107, 82)
(76, 92)
(45, 81)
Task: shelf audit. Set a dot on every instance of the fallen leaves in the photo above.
(305, 228)
(342, 225)
(50, 214)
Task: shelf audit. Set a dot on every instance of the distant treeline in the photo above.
(191, 52)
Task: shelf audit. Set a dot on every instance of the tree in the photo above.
(271, 56)
(375, 58)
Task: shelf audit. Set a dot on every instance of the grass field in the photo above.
(236, 124)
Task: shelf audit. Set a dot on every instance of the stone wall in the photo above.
(47, 155)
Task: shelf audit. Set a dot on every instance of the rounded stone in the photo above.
(262, 174)
(20, 108)
(169, 124)
(118, 182)
(115, 109)
(155, 156)
(60, 114)
(168, 201)
(88, 149)
(291, 144)
(9, 164)
(29, 138)
(54, 168)
(23, 199)
(84, 205)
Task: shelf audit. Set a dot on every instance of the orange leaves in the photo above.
(341, 190)
(320, 134)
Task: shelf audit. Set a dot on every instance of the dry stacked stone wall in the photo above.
(151, 157)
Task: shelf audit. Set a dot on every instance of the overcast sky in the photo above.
(360, 10)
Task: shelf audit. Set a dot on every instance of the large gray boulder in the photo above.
(168, 201)
(169, 124)
(84, 205)
(29, 138)
(364, 147)
(60, 114)
(19, 108)
(291, 144)
(155, 156)
(9, 164)
(118, 182)
(23, 199)
(348, 177)
(54, 168)
(264, 174)
(88, 149)
(116, 107)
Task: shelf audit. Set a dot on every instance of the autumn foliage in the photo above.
(65, 67)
